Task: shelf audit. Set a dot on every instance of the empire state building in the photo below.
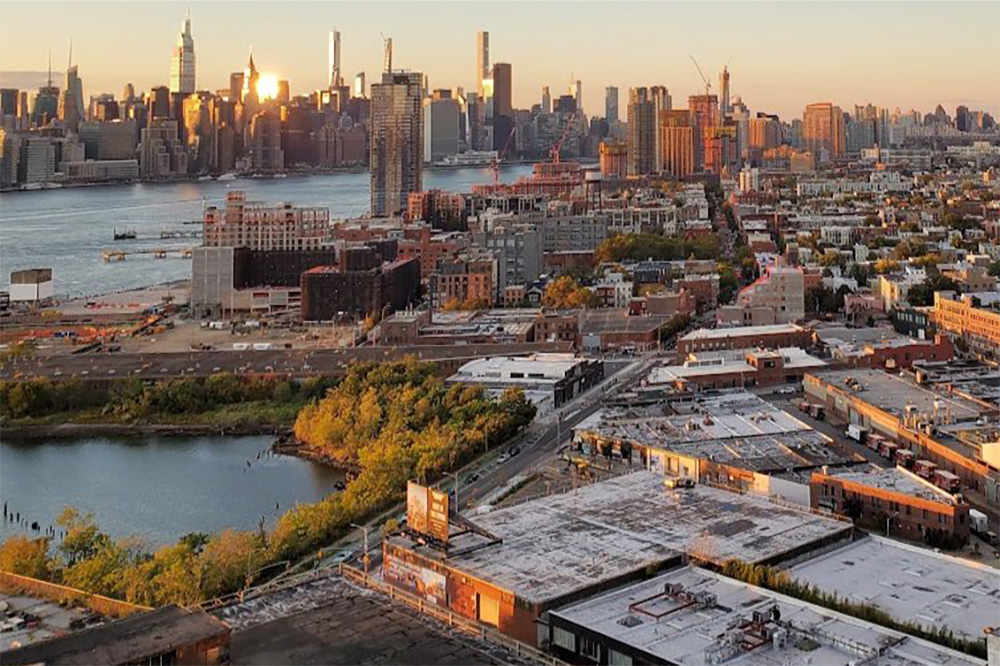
(182, 61)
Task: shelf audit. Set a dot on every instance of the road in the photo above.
(288, 362)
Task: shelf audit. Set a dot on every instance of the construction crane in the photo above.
(557, 146)
(708, 84)
(495, 164)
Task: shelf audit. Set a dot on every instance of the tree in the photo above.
(886, 266)
(860, 274)
(923, 294)
(564, 292)
(832, 258)
(26, 557)
(82, 539)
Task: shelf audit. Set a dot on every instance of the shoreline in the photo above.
(287, 444)
(72, 430)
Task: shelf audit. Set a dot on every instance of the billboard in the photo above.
(427, 511)
(423, 582)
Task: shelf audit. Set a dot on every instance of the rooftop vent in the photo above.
(630, 621)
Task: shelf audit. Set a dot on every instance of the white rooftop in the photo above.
(544, 366)
(895, 479)
(740, 331)
(910, 583)
(668, 627)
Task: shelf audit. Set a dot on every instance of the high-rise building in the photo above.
(161, 152)
(641, 137)
(661, 102)
(46, 105)
(71, 104)
(482, 60)
(546, 100)
(182, 61)
(962, 123)
(236, 86)
(613, 159)
(823, 129)
(611, 104)
(441, 125)
(677, 140)
(359, 84)
(503, 106)
(765, 132)
(704, 111)
(266, 153)
(159, 103)
(576, 90)
(724, 106)
(199, 131)
(333, 58)
(396, 143)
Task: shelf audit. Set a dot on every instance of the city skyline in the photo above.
(292, 44)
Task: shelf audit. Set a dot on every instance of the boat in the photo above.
(227, 177)
(125, 234)
(471, 158)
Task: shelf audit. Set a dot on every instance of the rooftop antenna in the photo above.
(50, 68)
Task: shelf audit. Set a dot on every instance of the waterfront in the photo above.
(66, 229)
(157, 488)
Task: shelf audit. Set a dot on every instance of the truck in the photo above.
(924, 469)
(978, 522)
(857, 432)
(946, 480)
(887, 449)
(818, 412)
(904, 458)
(874, 441)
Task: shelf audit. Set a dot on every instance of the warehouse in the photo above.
(693, 617)
(910, 583)
(524, 560)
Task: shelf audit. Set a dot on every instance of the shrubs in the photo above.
(779, 581)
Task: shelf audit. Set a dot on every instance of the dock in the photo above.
(157, 253)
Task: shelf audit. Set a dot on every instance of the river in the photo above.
(66, 229)
(157, 488)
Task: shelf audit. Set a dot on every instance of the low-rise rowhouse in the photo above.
(514, 565)
(977, 327)
(609, 329)
(744, 337)
(926, 422)
(694, 617)
(893, 499)
(548, 379)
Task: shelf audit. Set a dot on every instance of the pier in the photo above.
(157, 253)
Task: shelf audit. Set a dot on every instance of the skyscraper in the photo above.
(576, 90)
(546, 100)
(336, 80)
(182, 61)
(46, 105)
(724, 106)
(503, 106)
(71, 105)
(661, 102)
(823, 129)
(641, 135)
(359, 84)
(396, 143)
(482, 60)
(441, 125)
(611, 104)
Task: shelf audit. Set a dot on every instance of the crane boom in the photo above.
(554, 153)
(495, 164)
(708, 84)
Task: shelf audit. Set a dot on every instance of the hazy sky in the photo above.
(784, 54)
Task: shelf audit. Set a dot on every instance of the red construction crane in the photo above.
(495, 164)
(554, 151)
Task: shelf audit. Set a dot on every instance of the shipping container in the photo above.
(904, 457)
(946, 480)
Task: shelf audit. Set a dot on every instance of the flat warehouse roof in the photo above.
(910, 583)
(559, 544)
(706, 618)
(892, 394)
(741, 331)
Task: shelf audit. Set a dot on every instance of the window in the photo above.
(618, 659)
(564, 639)
(590, 648)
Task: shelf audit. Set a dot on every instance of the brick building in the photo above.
(744, 337)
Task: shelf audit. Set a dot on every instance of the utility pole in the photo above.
(457, 505)
(365, 559)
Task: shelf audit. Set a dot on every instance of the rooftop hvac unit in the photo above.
(760, 617)
(779, 638)
(672, 589)
(706, 599)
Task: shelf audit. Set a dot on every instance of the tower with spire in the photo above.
(182, 60)
(71, 108)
